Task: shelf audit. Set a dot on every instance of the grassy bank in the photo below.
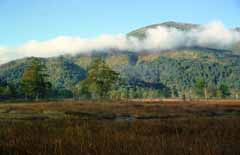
(91, 128)
(195, 136)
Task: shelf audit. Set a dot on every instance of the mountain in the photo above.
(175, 71)
(140, 33)
(64, 74)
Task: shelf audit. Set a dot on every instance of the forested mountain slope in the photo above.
(175, 71)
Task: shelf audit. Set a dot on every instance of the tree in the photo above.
(81, 90)
(7, 91)
(201, 88)
(223, 91)
(34, 84)
(236, 89)
(100, 79)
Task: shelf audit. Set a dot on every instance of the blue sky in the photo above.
(24, 20)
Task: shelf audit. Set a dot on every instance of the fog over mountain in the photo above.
(212, 35)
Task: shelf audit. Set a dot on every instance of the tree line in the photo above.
(35, 85)
(102, 82)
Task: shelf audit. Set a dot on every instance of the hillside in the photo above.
(140, 33)
(177, 69)
(172, 72)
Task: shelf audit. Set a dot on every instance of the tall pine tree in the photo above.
(100, 79)
(34, 84)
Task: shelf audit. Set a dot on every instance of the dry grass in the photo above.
(127, 127)
(138, 109)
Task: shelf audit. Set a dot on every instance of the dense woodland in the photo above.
(187, 73)
(193, 72)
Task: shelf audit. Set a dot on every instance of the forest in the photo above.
(212, 74)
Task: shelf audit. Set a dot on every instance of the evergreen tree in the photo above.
(7, 91)
(82, 91)
(34, 84)
(100, 79)
(201, 88)
(223, 91)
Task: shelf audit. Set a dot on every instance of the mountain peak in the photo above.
(140, 33)
(179, 25)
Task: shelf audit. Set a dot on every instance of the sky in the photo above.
(26, 20)
(46, 28)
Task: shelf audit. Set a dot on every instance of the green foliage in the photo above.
(145, 75)
(223, 91)
(64, 74)
(99, 81)
(81, 90)
(34, 84)
(6, 91)
(169, 74)
(200, 87)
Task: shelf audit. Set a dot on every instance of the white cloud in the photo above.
(214, 34)
(210, 35)
(5, 55)
(160, 38)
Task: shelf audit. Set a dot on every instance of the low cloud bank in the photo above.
(214, 34)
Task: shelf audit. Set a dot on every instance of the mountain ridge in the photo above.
(176, 70)
(178, 25)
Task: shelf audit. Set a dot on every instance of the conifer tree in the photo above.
(34, 84)
(100, 79)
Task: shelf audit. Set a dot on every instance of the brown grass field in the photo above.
(148, 127)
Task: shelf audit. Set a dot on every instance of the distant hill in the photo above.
(140, 33)
(176, 70)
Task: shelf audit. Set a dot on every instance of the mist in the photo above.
(212, 35)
